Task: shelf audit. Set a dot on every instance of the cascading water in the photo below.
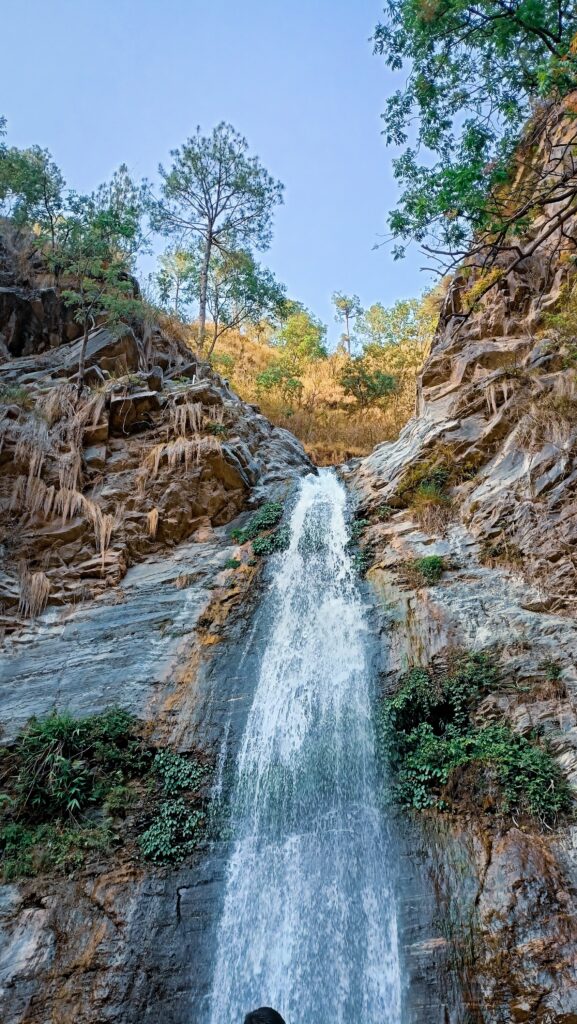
(308, 924)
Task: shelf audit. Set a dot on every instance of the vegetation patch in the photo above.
(261, 530)
(76, 787)
(430, 568)
(16, 394)
(441, 758)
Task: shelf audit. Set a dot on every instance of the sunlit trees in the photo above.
(477, 110)
(217, 197)
(96, 255)
(239, 292)
(31, 189)
(300, 342)
(347, 310)
(176, 279)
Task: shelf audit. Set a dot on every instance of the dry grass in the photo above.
(552, 420)
(329, 423)
(152, 522)
(34, 592)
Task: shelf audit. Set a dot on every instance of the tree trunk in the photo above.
(213, 342)
(82, 359)
(203, 291)
(347, 332)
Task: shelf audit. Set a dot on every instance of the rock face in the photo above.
(485, 477)
(91, 487)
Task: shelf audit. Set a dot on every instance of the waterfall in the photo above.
(308, 924)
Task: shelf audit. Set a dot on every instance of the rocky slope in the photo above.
(484, 477)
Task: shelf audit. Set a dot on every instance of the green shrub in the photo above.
(268, 516)
(357, 528)
(385, 512)
(67, 780)
(66, 764)
(218, 429)
(16, 394)
(232, 563)
(174, 833)
(279, 540)
(430, 568)
(177, 773)
(440, 757)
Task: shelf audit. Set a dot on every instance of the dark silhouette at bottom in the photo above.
(265, 1015)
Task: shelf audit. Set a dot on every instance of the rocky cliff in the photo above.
(119, 582)
(481, 485)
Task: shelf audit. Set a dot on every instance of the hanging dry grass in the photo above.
(182, 450)
(34, 592)
(58, 403)
(185, 416)
(152, 522)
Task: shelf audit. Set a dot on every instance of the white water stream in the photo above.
(308, 924)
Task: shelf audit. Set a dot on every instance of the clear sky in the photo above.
(99, 82)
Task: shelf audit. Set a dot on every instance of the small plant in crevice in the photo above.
(430, 568)
(232, 563)
(385, 512)
(266, 540)
(360, 557)
(442, 758)
(270, 543)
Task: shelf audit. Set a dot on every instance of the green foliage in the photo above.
(366, 385)
(361, 561)
(240, 291)
(217, 429)
(280, 376)
(348, 310)
(176, 772)
(278, 540)
(174, 834)
(440, 757)
(301, 337)
(268, 515)
(232, 563)
(430, 568)
(385, 512)
(64, 774)
(67, 764)
(27, 850)
(221, 200)
(357, 528)
(475, 73)
(31, 188)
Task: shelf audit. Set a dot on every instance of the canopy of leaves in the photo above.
(215, 188)
(240, 291)
(31, 186)
(302, 336)
(475, 73)
(367, 386)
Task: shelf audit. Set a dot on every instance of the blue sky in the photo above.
(99, 83)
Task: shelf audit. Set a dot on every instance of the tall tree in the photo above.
(239, 292)
(218, 195)
(347, 309)
(476, 71)
(176, 279)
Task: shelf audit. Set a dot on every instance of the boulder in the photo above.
(130, 413)
(115, 351)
